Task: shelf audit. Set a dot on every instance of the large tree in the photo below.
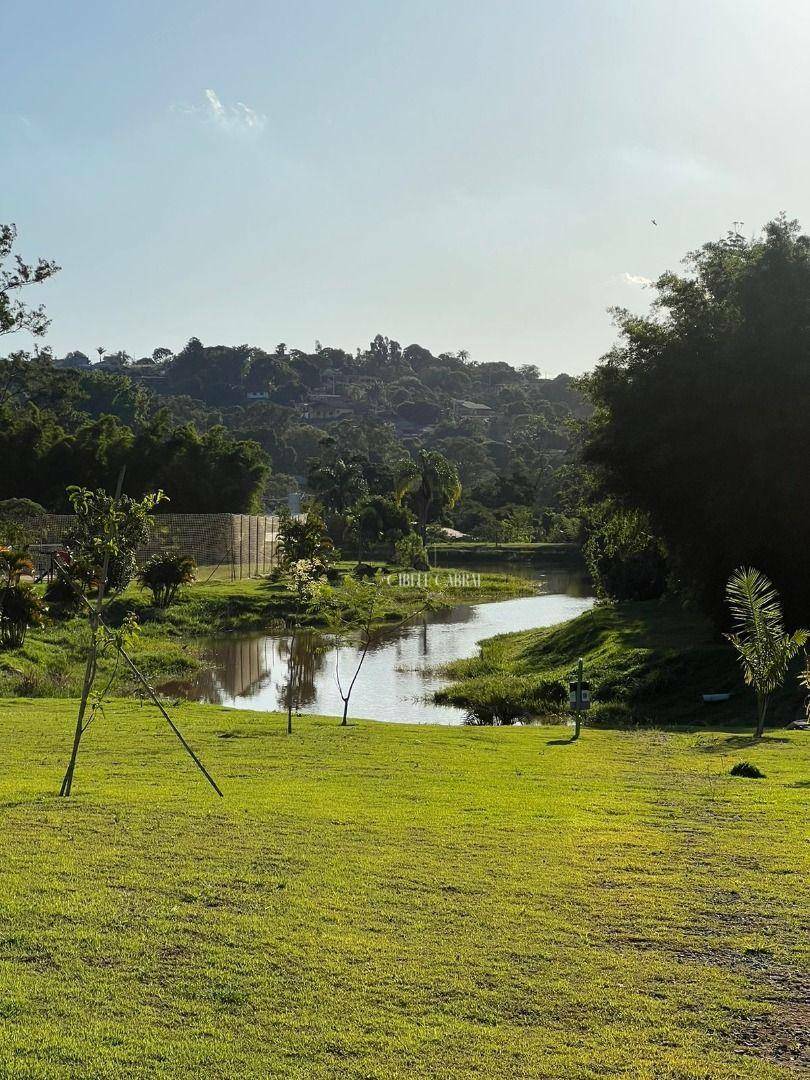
(701, 413)
(15, 276)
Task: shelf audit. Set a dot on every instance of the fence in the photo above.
(230, 546)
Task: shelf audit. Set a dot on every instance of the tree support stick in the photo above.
(156, 700)
(67, 779)
(141, 679)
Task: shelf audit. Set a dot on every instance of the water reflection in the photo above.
(400, 673)
(550, 577)
(309, 651)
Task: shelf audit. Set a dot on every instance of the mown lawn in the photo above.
(391, 901)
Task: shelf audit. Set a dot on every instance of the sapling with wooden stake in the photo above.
(120, 639)
(358, 610)
(105, 540)
(578, 709)
(109, 528)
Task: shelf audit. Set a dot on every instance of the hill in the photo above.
(506, 428)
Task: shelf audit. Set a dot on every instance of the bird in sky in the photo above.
(654, 222)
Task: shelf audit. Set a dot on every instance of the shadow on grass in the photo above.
(741, 742)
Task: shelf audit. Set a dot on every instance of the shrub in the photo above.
(20, 607)
(50, 680)
(305, 576)
(624, 558)
(163, 575)
(410, 551)
(64, 599)
(364, 572)
(745, 768)
(303, 538)
(504, 699)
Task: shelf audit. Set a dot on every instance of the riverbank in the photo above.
(388, 901)
(51, 663)
(646, 662)
(461, 552)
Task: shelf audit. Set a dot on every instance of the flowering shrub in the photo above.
(305, 577)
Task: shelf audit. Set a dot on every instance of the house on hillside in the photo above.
(461, 408)
(322, 406)
(145, 372)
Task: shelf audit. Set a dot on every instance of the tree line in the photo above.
(694, 457)
(236, 428)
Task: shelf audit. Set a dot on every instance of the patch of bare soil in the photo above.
(779, 1031)
(781, 1035)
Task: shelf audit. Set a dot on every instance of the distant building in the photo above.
(73, 359)
(146, 372)
(322, 406)
(470, 408)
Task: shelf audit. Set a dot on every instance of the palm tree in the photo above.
(431, 484)
(338, 484)
(759, 636)
(14, 562)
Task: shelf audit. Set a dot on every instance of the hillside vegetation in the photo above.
(209, 423)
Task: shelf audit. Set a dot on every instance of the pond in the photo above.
(400, 673)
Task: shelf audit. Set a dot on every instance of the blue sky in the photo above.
(465, 175)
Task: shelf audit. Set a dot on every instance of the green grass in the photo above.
(51, 663)
(647, 662)
(396, 902)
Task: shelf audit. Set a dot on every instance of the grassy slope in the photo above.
(391, 902)
(52, 661)
(646, 662)
(462, 550)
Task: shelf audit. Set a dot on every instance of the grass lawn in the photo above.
(397, 902)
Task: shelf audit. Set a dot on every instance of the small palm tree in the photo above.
(20, 607)
(14, 562)
(759, 636)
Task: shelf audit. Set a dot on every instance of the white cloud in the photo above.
(236, 119)
(636, 279)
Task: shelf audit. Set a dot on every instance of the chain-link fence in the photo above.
(225, 546)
